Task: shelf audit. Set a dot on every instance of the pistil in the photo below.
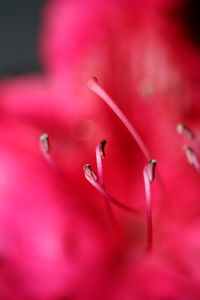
(97, 89)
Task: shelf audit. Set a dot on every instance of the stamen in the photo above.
(188, 134)
(148, 173)
(185, 131)
(102, 147)
(45, 147)
(100, 154)
(44, 143)
(192, 158)
(96, 88)
(151, 167)
(91, 177)
(89, 173)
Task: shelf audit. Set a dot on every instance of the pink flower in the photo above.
(57, 239)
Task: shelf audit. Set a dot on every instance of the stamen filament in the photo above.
(96, 88)
(100, 154)
(100, 189)
(148, 174)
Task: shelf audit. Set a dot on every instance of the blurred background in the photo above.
(19, 25)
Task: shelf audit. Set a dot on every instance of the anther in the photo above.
(89, 173)
(185, 131)
(91, 82)
(45, 148)
(44, 143)
(191, 157)
(102, 147)
(151, 167)
(189, 152)
(100, 154)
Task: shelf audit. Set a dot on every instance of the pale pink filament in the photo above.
(96, 88)
(148, 174)
(100, 154)
(99, 159)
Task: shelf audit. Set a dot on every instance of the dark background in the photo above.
(19, 24)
